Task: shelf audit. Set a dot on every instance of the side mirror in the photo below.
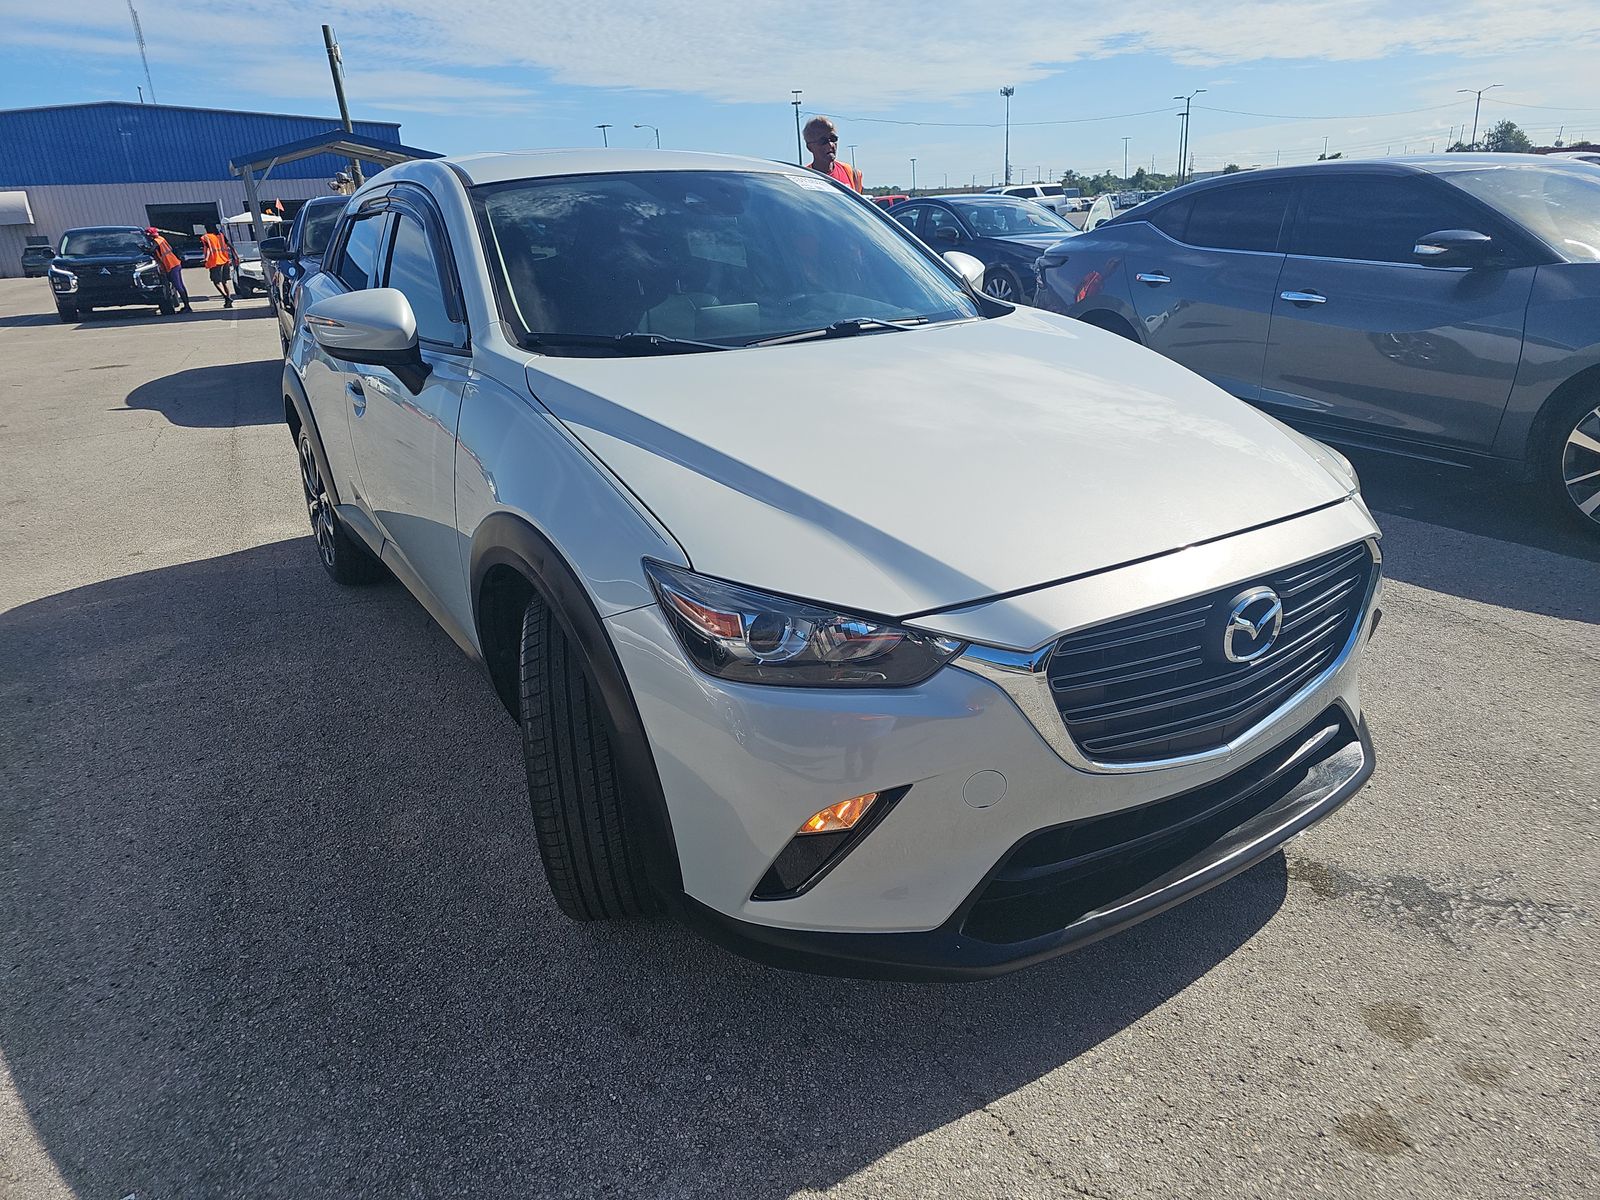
(376, 327)
(276, 248)
(1454, 248)
(947, 233)
(967, 267)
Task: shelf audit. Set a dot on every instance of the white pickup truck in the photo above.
(1052, 195)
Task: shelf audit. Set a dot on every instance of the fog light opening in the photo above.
(838, 818)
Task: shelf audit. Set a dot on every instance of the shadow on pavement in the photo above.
(216, 397)
(1439, 503)
(274, 926)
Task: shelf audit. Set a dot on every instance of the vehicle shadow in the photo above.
(1432, 514)
(274, 926)
(205, 309)
(216, 397)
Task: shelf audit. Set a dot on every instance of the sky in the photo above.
(1281, 79)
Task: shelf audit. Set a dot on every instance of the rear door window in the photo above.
(1239, 217)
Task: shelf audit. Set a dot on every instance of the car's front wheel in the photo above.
(342, 556)
(67, 312)
(1002, 285)
(588, 833)
(1571, 460)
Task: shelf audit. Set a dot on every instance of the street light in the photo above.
(1125, 161)
(1008, 92)
(604, 140)
(913, 177)
(653, 130)
(1183, 140)
(1477, 104)
(852, 157)
(799, 153)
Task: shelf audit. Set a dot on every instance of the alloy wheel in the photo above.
(1580, 465)
(318, 507)
(999, 286)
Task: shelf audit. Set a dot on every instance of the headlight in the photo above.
(62, 281)
(741, 634)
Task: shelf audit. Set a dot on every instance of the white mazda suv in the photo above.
(864, 623)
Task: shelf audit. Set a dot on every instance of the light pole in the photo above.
(1477, 104)
(604, 140)
(1183, 144)
(1125, 161)
(653, 130)
(913, 177)
(799, 152)
(1008, 92)
(1324, 146)
(852, 158)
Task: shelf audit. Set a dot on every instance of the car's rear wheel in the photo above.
(342, 556)
(587, 829)
(1570, 466)
(1002, 285)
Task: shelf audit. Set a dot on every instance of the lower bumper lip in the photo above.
(1215, 832)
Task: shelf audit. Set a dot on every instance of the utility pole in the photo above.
(336, 65)
(913, 177)
(653, 130)
(1324, 146)
(1008, 92)
(1476, 105)
(1183, 145)
(605, 140)
(1125, 161)
(799, 151)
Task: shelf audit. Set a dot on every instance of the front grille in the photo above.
(1158, 685)
(118, 283)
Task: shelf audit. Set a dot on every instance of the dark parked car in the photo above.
(1446, 307)
(1004, 234)
(36, 261)
(108, 266)
(289, 260)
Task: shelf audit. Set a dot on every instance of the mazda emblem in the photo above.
(1253, 624)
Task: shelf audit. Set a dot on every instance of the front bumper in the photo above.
(1062, 888)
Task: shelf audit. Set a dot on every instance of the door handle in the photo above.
(358, 397)
(1303, 297)
(1153, 278)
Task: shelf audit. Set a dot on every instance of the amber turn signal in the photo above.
(837, 818)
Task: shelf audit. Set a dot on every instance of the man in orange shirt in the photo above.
(823, 141)
(169, 262)
(219, 261)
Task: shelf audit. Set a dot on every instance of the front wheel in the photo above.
(344, 558)
(587, 829)
(67, 312)
(1570, 462)
(1002, 285)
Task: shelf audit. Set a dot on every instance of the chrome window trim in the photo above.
(1021, 674)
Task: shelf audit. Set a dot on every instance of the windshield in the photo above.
(1560, 206)
(723, 257)
(319, 223)
(1001, 217)
(104, 241)
(247, 250)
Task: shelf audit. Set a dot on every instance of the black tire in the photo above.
(586, 827)
(1568, 462)
(999, 283)
(67, 313)
(344, 558)
(168, 306)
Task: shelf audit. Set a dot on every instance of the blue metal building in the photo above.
(115, 163)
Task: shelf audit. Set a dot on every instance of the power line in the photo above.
(1336, 117)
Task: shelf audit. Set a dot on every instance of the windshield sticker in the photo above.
(816, 184)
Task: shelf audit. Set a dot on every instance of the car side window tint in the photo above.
(358, 261)
(1173, 219)
(414, 270)
(1238, 217)
(909, 215)
(1375, 218)
(937, 219)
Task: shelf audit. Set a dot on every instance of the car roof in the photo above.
(1414, 164)
(535, 164)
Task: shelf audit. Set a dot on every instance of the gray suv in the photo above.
(1444, 306)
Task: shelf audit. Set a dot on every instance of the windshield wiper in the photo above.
(635, 343)
(846, 328)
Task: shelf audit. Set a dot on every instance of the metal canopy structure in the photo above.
(335, 141)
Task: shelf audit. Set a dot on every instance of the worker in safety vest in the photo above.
(169, 264)
(822, 139)
(219, 261)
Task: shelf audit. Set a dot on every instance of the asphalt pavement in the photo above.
(272, 922)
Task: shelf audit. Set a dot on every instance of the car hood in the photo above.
(899, 473)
